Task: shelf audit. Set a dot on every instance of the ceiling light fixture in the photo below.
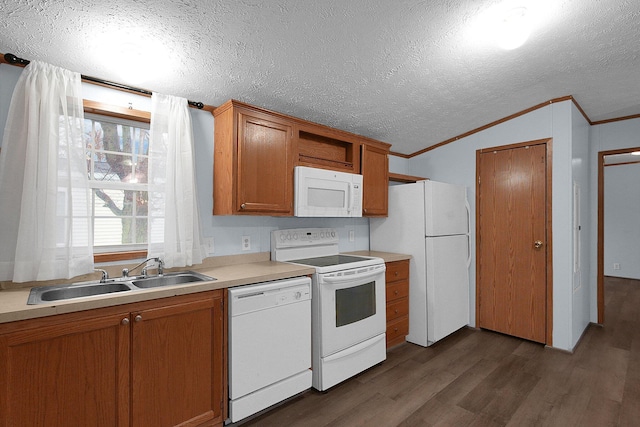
(513, 28)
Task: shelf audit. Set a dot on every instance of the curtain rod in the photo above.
(14, 60)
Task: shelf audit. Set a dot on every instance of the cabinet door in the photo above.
(177, 363)
(66, 373)
(375, 177)
(265, 165)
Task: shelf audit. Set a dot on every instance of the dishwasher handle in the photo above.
(266, 295)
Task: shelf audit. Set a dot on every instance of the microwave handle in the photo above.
(352, 198)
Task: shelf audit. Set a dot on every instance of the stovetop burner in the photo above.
(326, 261)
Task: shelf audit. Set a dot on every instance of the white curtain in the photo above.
(174, 222)
(45, 225)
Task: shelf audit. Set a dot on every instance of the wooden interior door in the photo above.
(512, 246)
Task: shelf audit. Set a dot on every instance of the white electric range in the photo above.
(348, 314)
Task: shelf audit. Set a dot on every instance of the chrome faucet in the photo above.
(160, 267)
(105, 275)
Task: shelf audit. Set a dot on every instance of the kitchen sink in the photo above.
(61, 292)
(44, 294)
(171, 279)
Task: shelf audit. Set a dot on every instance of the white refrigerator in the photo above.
(430, 221)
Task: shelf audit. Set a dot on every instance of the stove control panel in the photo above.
(301, 237)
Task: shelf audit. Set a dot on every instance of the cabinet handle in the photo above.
(243, 206)
(395, 329)
(396, 292)
(396, 273)
(396, 311)
(125, 321)
(138, 318)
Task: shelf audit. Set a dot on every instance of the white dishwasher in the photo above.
(269, 344)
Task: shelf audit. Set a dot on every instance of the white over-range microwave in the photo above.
(327, 193)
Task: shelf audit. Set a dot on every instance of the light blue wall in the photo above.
(606, 137)
(621, 198)
(456, 163)
(621, 218)
(562, 218)
(226, 231)
(583, 283)
(398, 165)
(9, 75)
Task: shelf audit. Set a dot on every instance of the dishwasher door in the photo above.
(269, 344)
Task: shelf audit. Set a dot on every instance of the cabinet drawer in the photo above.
(397, 270)
(397, 330)
(397, 309)
(397, 290)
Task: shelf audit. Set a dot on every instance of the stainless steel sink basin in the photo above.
(61, 292)
(171, 279)
(44, 294)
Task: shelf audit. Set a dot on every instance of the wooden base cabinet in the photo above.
(397, 296)
(66, 373)
(157, 363)
(176, 363)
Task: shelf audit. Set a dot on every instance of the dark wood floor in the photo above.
(480, 378)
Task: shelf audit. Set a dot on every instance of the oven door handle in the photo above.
(354, 277)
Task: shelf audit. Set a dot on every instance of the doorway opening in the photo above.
(607, 159)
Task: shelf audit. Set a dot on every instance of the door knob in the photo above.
(537, 244)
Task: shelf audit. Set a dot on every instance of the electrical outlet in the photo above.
(616, 266)
(352, 235)
(246, 243)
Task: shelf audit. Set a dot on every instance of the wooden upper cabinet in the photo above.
(375, 177)
(256, 150)
(253, 162)
(326, 148)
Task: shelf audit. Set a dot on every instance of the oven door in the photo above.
(352, 307)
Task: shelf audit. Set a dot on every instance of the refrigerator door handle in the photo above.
(468, 208)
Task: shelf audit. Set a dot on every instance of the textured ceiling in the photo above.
(408, 72)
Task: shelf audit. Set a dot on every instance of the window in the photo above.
(117, 160)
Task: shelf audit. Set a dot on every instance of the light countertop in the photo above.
(228, 271)
(13, 302)
(386, 256)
